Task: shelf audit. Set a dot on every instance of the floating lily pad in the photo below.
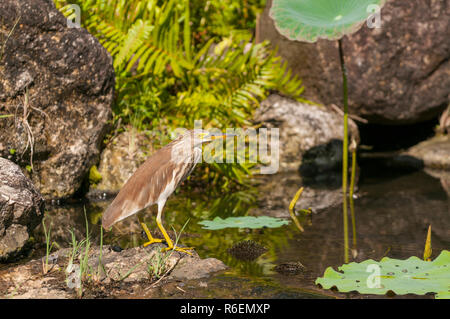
(243, 222)
(410, 276)
(308, 20)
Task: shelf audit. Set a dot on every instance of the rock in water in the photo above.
(309, 135)
(397, 74)
(435, 152)
(21, 209)
(57, 85)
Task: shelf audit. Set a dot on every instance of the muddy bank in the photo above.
(114, 273)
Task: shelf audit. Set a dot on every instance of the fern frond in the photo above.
(133, 42)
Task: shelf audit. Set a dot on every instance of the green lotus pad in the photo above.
(308, 20)
(243, 222)
(410, 276)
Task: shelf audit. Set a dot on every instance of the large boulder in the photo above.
(310, 136)
(397, 74)
(21, 209)
(57, 85)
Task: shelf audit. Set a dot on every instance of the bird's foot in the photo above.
(180, 249)
(154, 240)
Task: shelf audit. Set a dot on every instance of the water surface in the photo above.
(392, 213)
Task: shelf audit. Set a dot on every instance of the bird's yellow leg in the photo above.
(151, 240)
(170, 243)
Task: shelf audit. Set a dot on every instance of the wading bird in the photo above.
(156, 180)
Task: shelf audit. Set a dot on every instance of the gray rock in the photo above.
(310, 135)
(21, 209)
(434, 153)
(58, 85)
(397, 74)
(189, 268)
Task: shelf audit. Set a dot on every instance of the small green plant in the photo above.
(157, 266)
(73, 273)
(48, 247)
(73, 254)
(84, 257)
(100, 268)
(80, 252)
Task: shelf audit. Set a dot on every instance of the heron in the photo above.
(156, 179)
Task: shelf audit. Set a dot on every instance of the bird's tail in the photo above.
(109, 216)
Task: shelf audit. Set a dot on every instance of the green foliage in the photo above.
(309, 20)
(171, 70)
(243, 222)
(166, 78)
(412, 275)
(225, 17)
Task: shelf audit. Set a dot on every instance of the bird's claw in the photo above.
(153, 240)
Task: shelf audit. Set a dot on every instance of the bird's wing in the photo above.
(157, 175)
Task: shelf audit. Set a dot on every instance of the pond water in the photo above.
(393, 210)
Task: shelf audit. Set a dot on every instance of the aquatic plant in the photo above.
(243, 222)
(410, 276)
(292, 206)
(310, 20)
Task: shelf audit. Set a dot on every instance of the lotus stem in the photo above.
(344, 151)
(351, 192)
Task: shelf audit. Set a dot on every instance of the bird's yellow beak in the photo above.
(215, 137)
